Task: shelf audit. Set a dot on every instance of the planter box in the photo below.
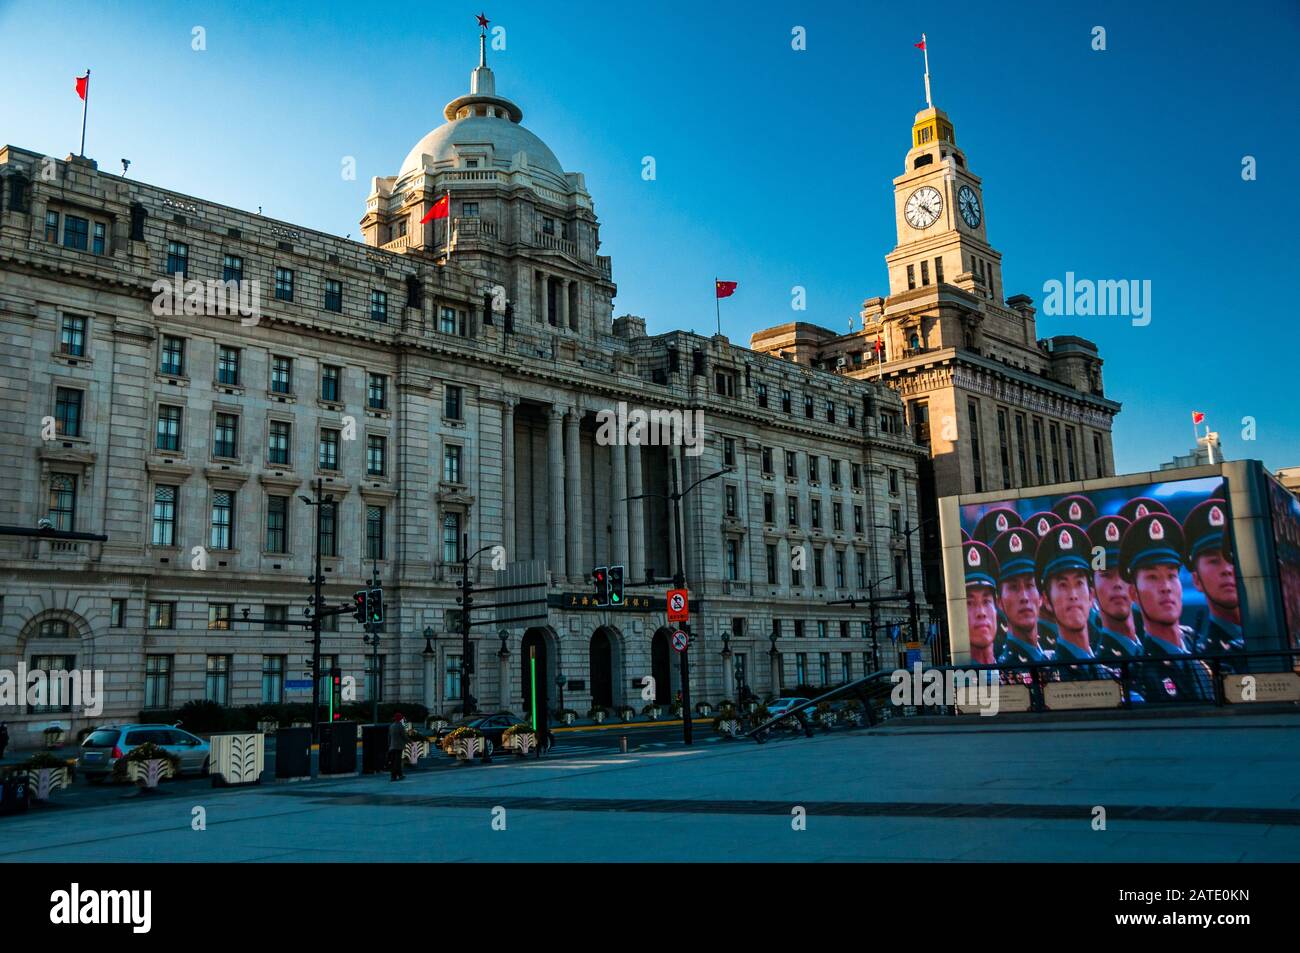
(413, 751)
(654, 713)
(45, 781)
(567, 718)
(437, 724)
(53, 738)
(704, 711)
(598, 717)
(730, 728)
(523, 743)
(627, 714)
(466, 749)
(149, 773)
(237, 758)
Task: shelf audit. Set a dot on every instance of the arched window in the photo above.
(54, 629)
(923, 160)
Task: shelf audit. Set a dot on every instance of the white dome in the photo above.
(506, 138)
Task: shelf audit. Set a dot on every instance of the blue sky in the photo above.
(774, 166)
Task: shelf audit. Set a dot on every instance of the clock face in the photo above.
(969, 203)
(923, 207)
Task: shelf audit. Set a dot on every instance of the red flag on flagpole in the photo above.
(920, 46)
(82, 83)
(440, 209)
(1198, 417)
(725, 289)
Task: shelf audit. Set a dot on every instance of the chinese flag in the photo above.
(725, 289)
(1197, 417)
(880, 345)
(82, 83)
(920, 46)
(441, 209)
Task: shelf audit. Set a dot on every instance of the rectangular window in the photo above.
(284, 284)
(222, 534)
(157, 681)
(816, 514)
(63, 501)
(329, 383)
(378, 305)
(1054, 435)
(273, 679)
(57, 688)
(911, 277)
(219, 617)
(824, 667)
(328, 458)
(328, 516)
(765, 459)
(171, 356)
(830, 411)
(67, 412)
(377, 391)
(798, 628)
(451, 464)
(840, 574)
(977, 464)
(1004, 448)
(451, 322)
(769, 508)
(733, 560)
(938, 270)
(1020, 450)
(97, 245)
(862, 570)
(72, 336)
(375, 532)
(771, 565)
(470, 209)
(791, 464)
(837, 517)
(228, 366)
(225, 436)
(119, 614)
(801, 668)
(792, 509)
(1098, 456)
(232, 268)
(760, 389)
(376, 451)
(819, 568)
(856, 475)
(164, 516)
(1069, 453)
(814, 468)
(277, 618)
(162, 615)
(853, 417)
(728, 451)
(333, 295)
(277, 524)
(835, 472)
(51, 226)
(1038, 451)
(281, 375)
(76, 232)
(451, 538)
(925, 273)
(785, 401)
(277, 447)
(809, 407)
(178, 258)
(900, 577)
(168, 436)
(896, 519)
(452, 408)
(217, 685)
(857, 519)
(893, 482)
(452, 687)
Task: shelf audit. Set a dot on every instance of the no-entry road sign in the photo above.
(678, 608)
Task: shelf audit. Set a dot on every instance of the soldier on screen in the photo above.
(1076, 509)
(1041, 524)
(1141, 506)
(994, 523)
(1209, 560)
(981, 607)
(1151, 554)
(1019, 598)
(1114, 625)
(1065, 579)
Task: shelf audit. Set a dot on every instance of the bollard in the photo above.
(622, 744)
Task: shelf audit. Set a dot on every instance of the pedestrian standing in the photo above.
(396, 742)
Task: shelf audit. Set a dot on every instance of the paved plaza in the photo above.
(1186, 789)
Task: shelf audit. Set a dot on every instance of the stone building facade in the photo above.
(996, 407)
(436, 389)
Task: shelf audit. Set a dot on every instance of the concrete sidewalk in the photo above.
(1211, 790)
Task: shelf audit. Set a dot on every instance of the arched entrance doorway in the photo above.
(602, 668)
(535, 648)
(661, 667)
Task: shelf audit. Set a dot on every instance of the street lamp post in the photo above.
(317, 604)
(908, 530)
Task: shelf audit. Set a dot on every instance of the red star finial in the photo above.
(483, 21)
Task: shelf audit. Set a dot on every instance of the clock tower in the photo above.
(939, 213)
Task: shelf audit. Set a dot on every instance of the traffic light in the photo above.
(336, 695)
(602, 585)
(616, 585)
(375, 607)
(361, 605)
(466, 602)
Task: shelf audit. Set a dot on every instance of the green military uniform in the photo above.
(1105, 533)
(1154, 540)
(1205, 530)
(1065, 548)
(981, 569)
(1015, 551)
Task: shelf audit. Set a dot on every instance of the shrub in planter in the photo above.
(464, 743)
(53, 736)
(626, 713)
(437, 722)
(675, 709)
(46, 773)
(704, 709)
(597, 713)
(147, 764)
(416, 747)
(567, 715)
(652, 711)
(520, 738)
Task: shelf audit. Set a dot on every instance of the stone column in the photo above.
(618, 507)
(636, 516)
(728, 673)
(573, 493)
(562, 292)
(774, 654)
(555, 478)
(508, 477)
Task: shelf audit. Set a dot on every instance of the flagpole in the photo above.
(448, 256)
(925, 48)
(717, 305)
(84, 104)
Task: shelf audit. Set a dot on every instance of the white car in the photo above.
(780, 706)
(104, 746)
